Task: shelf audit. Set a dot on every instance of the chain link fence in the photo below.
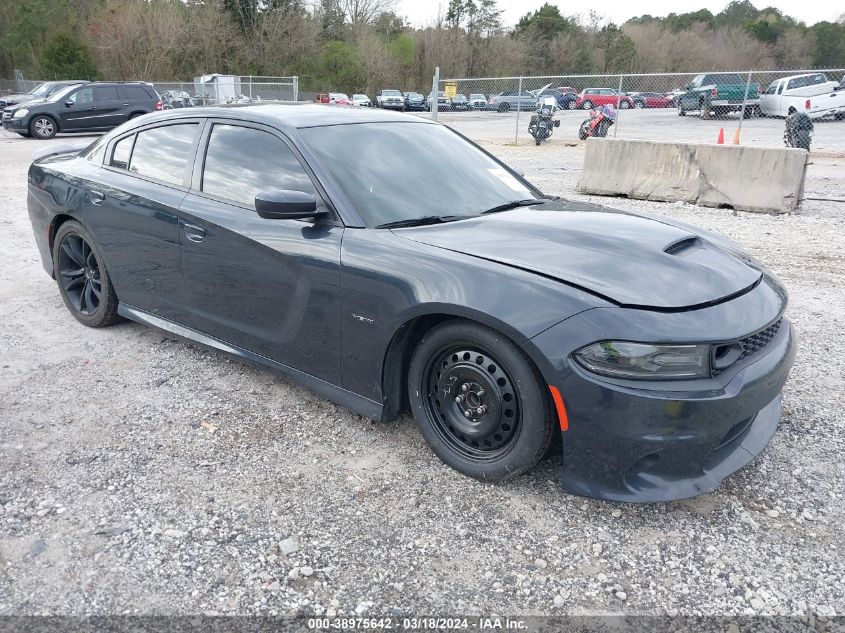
(741, 106)
(206, 90)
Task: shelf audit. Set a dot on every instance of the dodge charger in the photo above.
(511, 324)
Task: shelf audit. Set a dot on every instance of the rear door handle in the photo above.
(96, 197)
(193, 232)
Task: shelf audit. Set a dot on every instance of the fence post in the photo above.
(618, 101)
(744, 101)
(250, 87)
(518, 108)
(296, 87)
(435, 92)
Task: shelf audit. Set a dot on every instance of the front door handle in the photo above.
(193, 232)
(96, 197)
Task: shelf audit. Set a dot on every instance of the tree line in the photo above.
(364, 45)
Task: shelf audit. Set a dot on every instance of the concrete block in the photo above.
(763, 179)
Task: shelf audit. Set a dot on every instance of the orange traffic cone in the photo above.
(721, 139)
(736, 136)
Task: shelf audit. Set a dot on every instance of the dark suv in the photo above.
(89, 107)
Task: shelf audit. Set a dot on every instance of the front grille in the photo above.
(752, 344)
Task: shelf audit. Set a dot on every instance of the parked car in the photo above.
(566, 89)
(719, 93)
(460, 102)
(592, 97)
(811, 94)
(443, 102)
(656, 351)
(414, 101)
(564, 100)
(478, 101)
(391, 100)
(41, 91)
(88, 107)
(339, 98)
(362, 100)
(512, 100)
(651, 100)
(322, 97)
(171, 99)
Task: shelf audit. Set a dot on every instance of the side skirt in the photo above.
(358, 404)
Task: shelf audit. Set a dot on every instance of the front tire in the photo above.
(504, 107)
(479, 402)
(624, 105)
(83, 280)
(43, 127)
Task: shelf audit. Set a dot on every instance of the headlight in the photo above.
(20, 113)
(641, 361)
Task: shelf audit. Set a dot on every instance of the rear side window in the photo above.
(260, 160)
(105, 93)
(163, 152)
(133, 93)
(806, 80)
(122, 152)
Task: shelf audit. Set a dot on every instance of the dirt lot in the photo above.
(115, 497)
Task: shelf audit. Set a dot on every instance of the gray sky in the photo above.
(421, 12)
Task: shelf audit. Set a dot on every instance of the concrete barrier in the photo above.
(764, 179)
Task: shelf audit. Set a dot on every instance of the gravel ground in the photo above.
(141, 474)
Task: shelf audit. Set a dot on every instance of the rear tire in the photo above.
(479, 402)
(504, 107)
(624, 105)
(587, 105)
(81, 275)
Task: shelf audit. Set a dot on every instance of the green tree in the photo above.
(829, 44)
(618, 49)
(545, 22)
(65, 57)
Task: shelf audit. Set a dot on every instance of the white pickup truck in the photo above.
(812, 94)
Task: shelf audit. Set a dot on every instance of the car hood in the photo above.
(16, 99)
(631, 260)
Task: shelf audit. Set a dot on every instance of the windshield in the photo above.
(391, 93)
(476, 96)
(448, 176)
(60, 94)
(41, 91)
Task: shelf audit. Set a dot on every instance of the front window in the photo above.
(449, 176)
(258, 160)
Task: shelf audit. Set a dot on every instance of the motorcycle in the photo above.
(599, 122)
(542, 122)
(798, 131)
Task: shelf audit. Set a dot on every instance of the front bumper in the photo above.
(16, 125)
(392, 105)
(665, 441)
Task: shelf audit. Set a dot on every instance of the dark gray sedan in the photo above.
(447, 286)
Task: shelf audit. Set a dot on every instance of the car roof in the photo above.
(295, 115)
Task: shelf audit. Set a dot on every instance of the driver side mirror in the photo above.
(68, 103)
(287, 204)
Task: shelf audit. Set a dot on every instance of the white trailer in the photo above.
(811, 93)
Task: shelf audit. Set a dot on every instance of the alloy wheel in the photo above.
(79, 273)
(44, 127)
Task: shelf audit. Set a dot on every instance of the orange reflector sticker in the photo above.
(561, 410)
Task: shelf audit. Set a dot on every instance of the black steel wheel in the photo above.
(479, 402)
(82, 277)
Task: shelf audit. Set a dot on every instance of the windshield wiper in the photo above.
(513, 204)
(426, 219)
